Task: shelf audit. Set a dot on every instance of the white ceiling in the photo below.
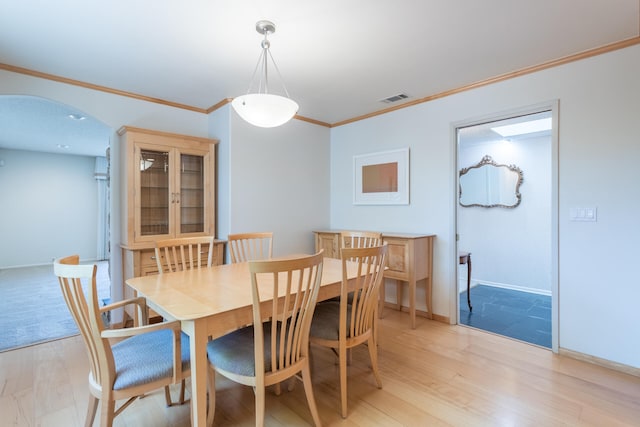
(338, 58)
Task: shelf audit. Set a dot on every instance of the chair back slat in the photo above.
(245, 247)
(183, 253)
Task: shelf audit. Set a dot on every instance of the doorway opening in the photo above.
(506, 225)
(55, 180)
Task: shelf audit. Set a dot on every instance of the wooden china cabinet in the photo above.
(168, 190)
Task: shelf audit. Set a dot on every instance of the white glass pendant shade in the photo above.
(264, 109)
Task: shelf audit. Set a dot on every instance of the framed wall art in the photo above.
(381, 178)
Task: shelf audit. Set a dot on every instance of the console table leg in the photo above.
(412, 303)
(469, 282)
(381, 298)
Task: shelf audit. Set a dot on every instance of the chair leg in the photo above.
(211, 388)
(260, 397)
(308, 390)
(343, 380)
(167, 396)
(291, 384)
(376, 325)
(373, 354)
(182, 388)
(91, 410)
(107, 412)
(381, 297)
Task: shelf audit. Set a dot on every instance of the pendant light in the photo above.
(262, 108)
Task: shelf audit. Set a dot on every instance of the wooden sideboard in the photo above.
(410, 259)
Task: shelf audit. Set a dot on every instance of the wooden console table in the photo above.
(410, 259)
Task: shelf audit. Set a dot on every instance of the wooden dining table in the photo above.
(213, 301)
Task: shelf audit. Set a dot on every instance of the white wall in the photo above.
(43, 197)
(599, 102)
(511, 247)
(277, 179)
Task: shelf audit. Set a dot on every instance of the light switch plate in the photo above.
(584, 214)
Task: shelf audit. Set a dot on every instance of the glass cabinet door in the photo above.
(154, 199)
(192, 194)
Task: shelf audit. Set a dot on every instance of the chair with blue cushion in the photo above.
(342, 325)
(125, 363)
(269, 352)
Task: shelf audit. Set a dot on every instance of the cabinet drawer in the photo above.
(398, 260)
(328, 242)
(148, 258)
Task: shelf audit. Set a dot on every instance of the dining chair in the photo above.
(360, 239)
(269, 352)
(183, 253)
(340, 325)
(250, 246)
(125, 363)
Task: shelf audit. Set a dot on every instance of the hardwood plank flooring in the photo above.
(435, 375)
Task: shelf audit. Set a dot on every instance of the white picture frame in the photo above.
(381, 178)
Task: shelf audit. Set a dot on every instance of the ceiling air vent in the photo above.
(395, 98)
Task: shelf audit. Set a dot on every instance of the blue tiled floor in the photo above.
(520, 315)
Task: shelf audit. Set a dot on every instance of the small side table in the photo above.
(465, 258)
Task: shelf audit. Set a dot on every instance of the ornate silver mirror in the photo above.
(490, 185)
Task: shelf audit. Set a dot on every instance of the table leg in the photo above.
(198, 345)
(429, 284)
(429, 299)
(412, 302)
(399, 294)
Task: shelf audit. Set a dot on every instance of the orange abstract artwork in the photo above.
(380, 178)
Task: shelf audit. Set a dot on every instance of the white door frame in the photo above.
(553, 106)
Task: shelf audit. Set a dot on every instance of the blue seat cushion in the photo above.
(145, 358)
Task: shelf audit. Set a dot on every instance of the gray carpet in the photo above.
(32, 309)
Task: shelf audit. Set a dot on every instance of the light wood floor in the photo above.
(435, 375)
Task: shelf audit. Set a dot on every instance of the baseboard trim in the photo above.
(626, 369)
(85, 261)
(420, 313)
(508, 286)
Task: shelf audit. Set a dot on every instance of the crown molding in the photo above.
(507, 76)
